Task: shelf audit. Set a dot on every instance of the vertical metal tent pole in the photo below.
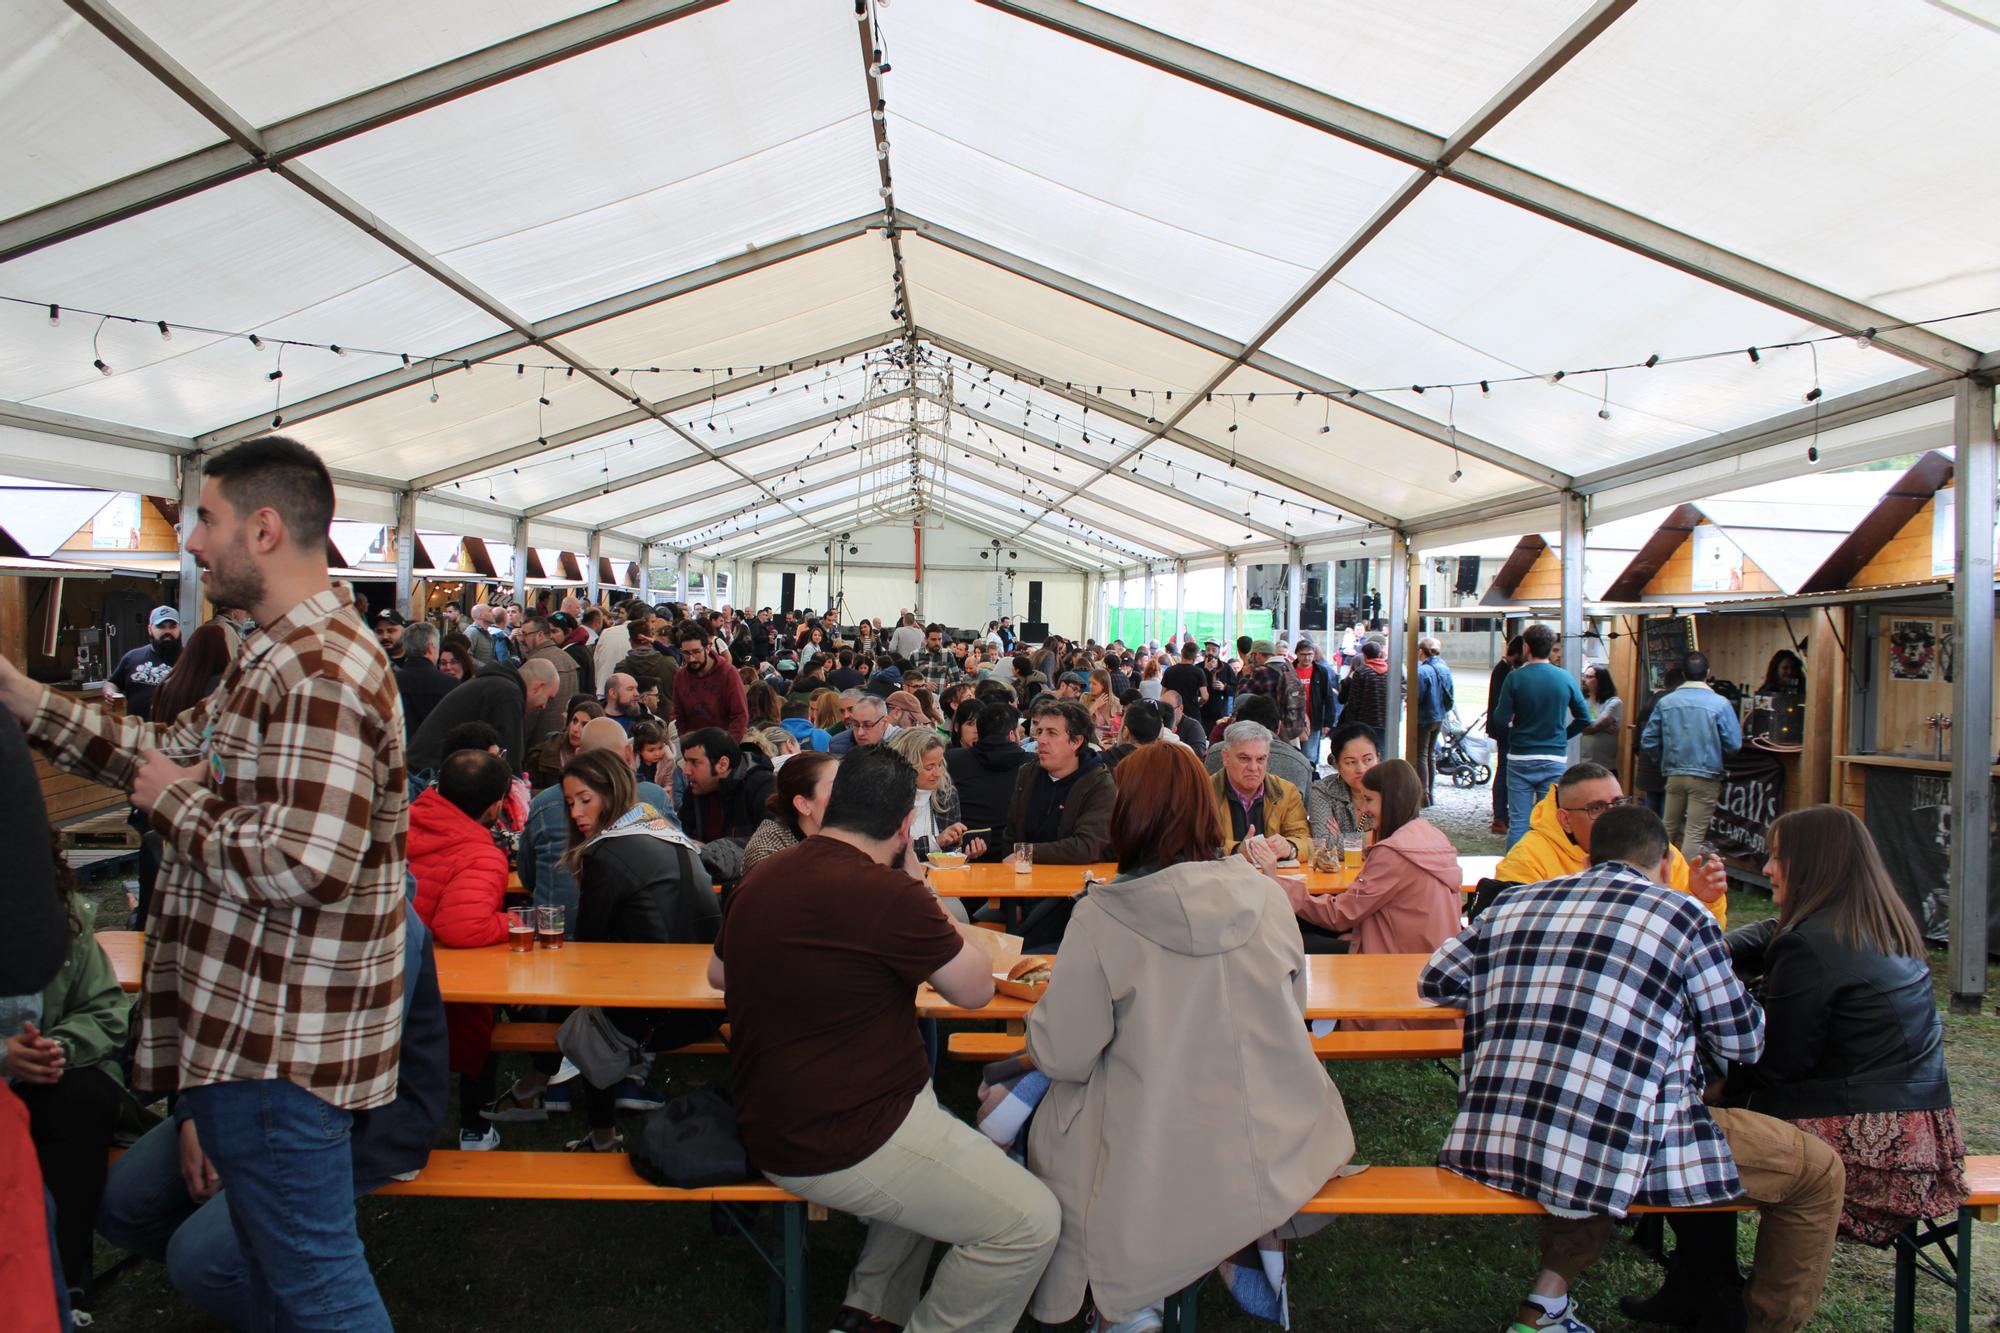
(1295, 582)
(591, 582)
(521, 561)
(1393, 746)
(646, 573)
(190, 590)
(1180, 600)
(1572, 595)
(1149, 633)
(1228, 605)
(406, 551)
(680, 576)
(1975, 481)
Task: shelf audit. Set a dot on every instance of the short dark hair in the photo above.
(1540, 641)
(1629, 833)
(1188, 651)
(1578, 774)
(469, 736)
(796, 705)
(1143, 720)
(473, 780)
(1259, 708)
(714, 743)
(991, 691)
(689, 632)
(278, 473)
(1023, 664)
(934, 628)
(996, 721)
(648, 731)
(1346, 734)
(1370, 648)
(1515, 645)
(1695, 666)
(1243, 644)
(1075, 720)
(873, 792)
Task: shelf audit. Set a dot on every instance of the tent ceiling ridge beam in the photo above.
(75, 426)
(1489, 175)
(1561, 52)
(248, 149)
(761, 547)
(452, 362)
(1232, 349)
(514, 453)
(1199, 444)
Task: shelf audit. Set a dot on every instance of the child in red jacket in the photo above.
(461, 885)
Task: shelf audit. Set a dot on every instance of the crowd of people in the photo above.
(335, 805)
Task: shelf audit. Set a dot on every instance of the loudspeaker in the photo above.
(1468, 575)
(1035, 603)
(1033, 631)
(787, 594)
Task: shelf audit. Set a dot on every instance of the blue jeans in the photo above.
(1313, 740)
(1528, 780)
(283, 1156)
(147, 1211)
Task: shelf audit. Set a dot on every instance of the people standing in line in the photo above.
(279, 910)
(501, 697)
(1692, 732)
(1497, 732)
(1434, 704)
(483, 639)
(819, 960)
(1322, 707)
(418, 680)
(1626, 987)
(650, 659)
(144, 669)
(1364, 694)
(1182, 972)
(1221, 685)
(1599, 743)
(1539, 707)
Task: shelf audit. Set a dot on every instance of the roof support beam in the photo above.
(712, 492)
(780, 546)
(1489, 175)
(245, 153)
(1209, 341)
(980, 520)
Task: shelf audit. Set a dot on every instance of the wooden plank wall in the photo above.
(1906, 556)
(1543, 581)
(156, 535)
(1676, 575)
(68, 797)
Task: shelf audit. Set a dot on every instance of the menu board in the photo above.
(1668, 639)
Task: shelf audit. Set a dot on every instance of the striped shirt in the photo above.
(274, 947)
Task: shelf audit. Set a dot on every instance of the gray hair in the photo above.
(873, 704)
(852, 695)
(1245, 733)
(420, 639)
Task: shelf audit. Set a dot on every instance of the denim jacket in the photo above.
(1690, 730)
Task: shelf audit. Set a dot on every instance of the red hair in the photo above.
(1165, 812)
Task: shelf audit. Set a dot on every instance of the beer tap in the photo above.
(1939, 723)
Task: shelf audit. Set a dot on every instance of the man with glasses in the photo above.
(1557, 842)
(867, 724)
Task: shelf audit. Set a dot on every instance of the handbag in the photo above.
(692, 1143)
(604, 1053)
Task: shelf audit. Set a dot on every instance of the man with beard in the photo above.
(273, 992)
(146, 667)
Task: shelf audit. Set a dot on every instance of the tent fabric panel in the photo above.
(1729, 122)
(89, 113)
(1461, 287)
(578, 467)
(41, 518)
(41, 456)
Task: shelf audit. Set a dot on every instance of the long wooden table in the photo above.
(675, 976)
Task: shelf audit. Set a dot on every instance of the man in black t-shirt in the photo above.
(146, 668)
(1187, 679)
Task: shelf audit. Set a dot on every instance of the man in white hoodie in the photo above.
(611, 647)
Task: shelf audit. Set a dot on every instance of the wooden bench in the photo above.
(610, 1177)
(1420, 1044)
(540, 1037)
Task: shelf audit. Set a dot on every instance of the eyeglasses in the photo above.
(1596, 809)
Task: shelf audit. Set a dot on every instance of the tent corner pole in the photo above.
(1976, 481)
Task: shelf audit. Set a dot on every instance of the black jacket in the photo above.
(421, 684)
(586, 668)
(494, 696)
(1846, 1030)
(638, 889)
(744, 793)
(1364, 695)
(36, 940)
(983, 774)
(1084, 830)
(1322, 709)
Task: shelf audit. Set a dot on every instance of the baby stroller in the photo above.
(1466, 757)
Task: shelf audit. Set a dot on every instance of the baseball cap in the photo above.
(563, 620)
(388, 616)
(1076, 678)
(163, 615)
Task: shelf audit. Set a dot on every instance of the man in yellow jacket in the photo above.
(1557, 842)
(1250, 800)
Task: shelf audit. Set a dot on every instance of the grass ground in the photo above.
(456, 1266)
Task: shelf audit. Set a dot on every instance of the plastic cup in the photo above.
(549, 926)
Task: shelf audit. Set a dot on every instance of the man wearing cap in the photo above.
(1270, 676)
(141, 671)
(389, 633)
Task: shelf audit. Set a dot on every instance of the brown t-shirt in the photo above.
(823, 950)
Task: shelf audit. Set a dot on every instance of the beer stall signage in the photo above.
(1753, 790)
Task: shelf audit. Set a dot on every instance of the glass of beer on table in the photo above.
(1351, 845)
(1024, 858)
(549, 925)
(521, 929)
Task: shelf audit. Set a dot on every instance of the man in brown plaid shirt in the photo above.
(272, 997)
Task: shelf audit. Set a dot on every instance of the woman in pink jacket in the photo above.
(1407, 899)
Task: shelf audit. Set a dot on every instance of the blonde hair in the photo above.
(913, 743)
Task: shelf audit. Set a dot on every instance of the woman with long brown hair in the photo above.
(1183, 974)
(798, 799)
(198, 670)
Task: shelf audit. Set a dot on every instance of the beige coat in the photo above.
(1188, 1114)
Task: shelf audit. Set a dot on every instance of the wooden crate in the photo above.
(108, 831)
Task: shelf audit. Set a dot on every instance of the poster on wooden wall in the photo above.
(1913, 650)
(1718, 561)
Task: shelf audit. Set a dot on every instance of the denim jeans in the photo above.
(1314, 738)
(147, 1211)
(1528, 780)
(283, 1156)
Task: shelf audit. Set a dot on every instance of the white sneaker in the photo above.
(1149, 1320)
(471, 1142)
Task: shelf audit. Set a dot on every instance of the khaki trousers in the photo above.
(1795, 1180)
(939, 1179)
(1690, 805)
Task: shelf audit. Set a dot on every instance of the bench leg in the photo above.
(1964, 1273)
(797, 1292)
(1181, 1308)
(1905, 1320)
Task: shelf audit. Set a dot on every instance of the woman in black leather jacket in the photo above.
(1853, 1045)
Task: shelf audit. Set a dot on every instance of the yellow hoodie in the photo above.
(1547, 852)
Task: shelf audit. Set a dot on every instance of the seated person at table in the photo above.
(1333, 806)
(164, 1201)
(797, 803)
(546, 838)
(1249, 800)
(461, 886)
(1558, 839)
(1061, 805)
(940, 824)
(1288, 761)
(61, 1058)
(1407, 899)
(728, 786)
(639, 882)
(652, 750)
(514, 810)
(1183, 973)
(1142, 722)
(1624, 986)
(819, 961)
(984, 772)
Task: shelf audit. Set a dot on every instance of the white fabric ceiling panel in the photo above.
(1268, 504)
(760, 410)
(268, 59)
(1823, 148)
(111, 467)
(1461, 287)
(792, 310)
(619, 548)
(41, 518)
(1042, 330)
(734, 127)
(552, 539)
(578, 467)
(1432, 65)
(999, 128)
(78, 112)
(254, 255)
(1020, 505)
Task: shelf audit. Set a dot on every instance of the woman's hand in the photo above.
(974, 848)
(32, 1058)
(1259, 852)
(950, 837)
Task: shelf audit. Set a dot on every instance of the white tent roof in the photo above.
(641, 270)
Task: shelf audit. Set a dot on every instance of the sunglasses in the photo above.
(1596, 809)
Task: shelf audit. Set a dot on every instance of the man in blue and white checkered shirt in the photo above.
(1597, 1007)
